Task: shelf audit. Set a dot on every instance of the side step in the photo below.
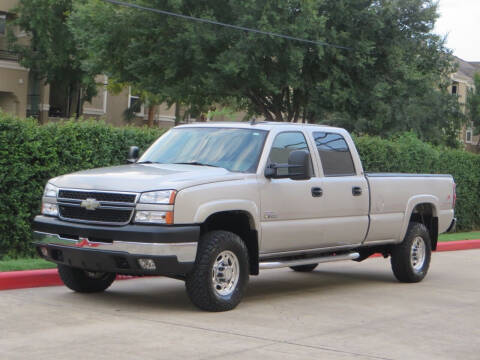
(279, 263)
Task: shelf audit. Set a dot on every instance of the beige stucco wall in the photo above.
(7, 5)
(110, 107)
(14, 80)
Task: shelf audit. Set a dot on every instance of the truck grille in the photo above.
(114, 208)
(98, 215)
(99, 196)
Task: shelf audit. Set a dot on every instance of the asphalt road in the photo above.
(343, 310)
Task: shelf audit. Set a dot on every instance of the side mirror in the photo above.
(299, 165)
(132, 154)
(298, 168)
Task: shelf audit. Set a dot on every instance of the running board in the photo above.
(323, 259)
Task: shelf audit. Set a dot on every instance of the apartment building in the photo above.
(22, 94)
(462, 80)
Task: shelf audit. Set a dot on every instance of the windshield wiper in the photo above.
(195, 163)
(147, 162)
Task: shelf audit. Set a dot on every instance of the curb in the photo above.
(11, 280)
(458, 245)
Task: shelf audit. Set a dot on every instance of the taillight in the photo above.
(454, 195)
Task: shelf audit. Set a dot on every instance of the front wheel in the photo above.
(411, 258)
(85, 281)
(220, 274)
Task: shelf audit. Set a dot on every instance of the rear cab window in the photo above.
(335, 156)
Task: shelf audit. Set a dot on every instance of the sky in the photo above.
(460, 19)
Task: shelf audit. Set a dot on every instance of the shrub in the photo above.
(408, 154)
(30, 154)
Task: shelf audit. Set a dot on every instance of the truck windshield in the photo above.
(233, 149)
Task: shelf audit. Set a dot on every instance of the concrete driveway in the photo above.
(343, 310)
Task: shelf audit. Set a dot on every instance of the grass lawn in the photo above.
(25, 264)
(459, 236)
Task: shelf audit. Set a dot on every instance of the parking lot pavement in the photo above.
(342, 310)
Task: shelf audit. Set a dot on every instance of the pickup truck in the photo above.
(213, 203)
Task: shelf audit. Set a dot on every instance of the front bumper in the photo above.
(117, 249)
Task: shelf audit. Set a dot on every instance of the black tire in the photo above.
(200, 283)
(304, 268)
(84, 281)
(401, 260)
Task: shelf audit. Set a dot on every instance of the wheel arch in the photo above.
(241, 223)
(424, 210)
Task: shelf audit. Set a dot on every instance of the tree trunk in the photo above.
(177, 113)
(79, 103)
(151, 112)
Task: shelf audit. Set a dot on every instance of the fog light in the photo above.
(44, 251)
(147, 264)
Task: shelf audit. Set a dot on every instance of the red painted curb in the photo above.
(38, 278)
(453, 246)
(458, 245)
(28, 279)
(35, 278)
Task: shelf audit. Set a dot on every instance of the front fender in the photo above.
(212, 207)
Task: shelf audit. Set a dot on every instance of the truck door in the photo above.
(288, 207)
(344, 205)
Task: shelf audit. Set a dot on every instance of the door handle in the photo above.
(356, 191)
(317, 192)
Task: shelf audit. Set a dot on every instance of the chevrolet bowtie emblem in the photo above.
(90, 204)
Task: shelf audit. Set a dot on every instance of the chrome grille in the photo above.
(99, 196)
(114, 208)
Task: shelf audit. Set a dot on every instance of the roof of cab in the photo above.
(261, 125)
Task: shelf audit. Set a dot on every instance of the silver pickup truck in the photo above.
(214, 203)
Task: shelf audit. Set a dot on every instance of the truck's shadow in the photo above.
(137, 295)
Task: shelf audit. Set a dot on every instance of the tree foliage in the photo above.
(382, 84)
(51, 52)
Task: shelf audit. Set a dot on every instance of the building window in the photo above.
(468, 136)
(135, 103)
(3, 24)
(454, 89)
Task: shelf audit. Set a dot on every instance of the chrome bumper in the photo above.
(185, 252)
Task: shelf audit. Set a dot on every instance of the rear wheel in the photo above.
(411, 258)
(85, 281)
(304, 268)
(220, 274)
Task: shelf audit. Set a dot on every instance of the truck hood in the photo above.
(144, 177)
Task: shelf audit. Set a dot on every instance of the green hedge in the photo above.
(30, 154)
(410, 155)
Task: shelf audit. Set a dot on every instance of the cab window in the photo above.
(283, 145)
(334, 154)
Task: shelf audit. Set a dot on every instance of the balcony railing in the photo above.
(8, 55)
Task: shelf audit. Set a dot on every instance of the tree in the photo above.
(393, 61)
(473, 104)
(51, 53)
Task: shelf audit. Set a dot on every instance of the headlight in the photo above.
(49, 209)
(50, 190)
(165, 197)
(154, 217)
